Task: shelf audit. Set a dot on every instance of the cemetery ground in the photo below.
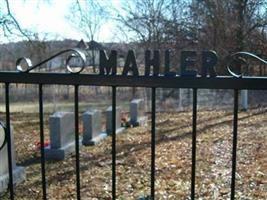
(173, 158)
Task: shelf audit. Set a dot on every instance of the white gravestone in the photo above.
(18, 172)
(119, 129)
(137, 117)
(92, 133)
(62, 136)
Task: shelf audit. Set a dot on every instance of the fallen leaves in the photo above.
(173, 160)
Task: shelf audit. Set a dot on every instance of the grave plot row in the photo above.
(61, 124)
(62, 137)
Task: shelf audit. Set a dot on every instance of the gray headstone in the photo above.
(244, 100)
(109, 120)
(62, 135)
(61, 125)
(92, 133)
(137, 112)
(18, 172)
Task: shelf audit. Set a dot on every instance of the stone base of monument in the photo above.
(142, 121)
(18, 177)
(60, 153)
(118, 131)
(96, 140)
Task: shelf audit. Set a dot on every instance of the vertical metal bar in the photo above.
(9, 143)
(194, 136)
(41, 118)
(234, 144)
(153, 142)
(113, 142)
(77, 142)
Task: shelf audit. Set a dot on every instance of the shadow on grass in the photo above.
(105, 158)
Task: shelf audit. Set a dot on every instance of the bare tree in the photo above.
(9, 24)
(229, 24)
(153, 22)
(88, 16)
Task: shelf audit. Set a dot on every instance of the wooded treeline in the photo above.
(224, 26)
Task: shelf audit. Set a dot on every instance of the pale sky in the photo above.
(50, 17)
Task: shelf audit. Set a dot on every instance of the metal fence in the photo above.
(114, 81)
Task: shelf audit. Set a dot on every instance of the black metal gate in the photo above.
(220, 82)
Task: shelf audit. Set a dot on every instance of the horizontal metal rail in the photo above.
(219, 82)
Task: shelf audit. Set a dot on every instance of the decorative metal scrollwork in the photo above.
(76, 53)
(3, 136)
(239, 56)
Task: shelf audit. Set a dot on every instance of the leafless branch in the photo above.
(14, 21)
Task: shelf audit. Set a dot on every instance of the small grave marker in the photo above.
(119, 129)
(137, 117)
(92, 133)
(244, 100)
(62, 136)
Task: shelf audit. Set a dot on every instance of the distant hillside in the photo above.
(35, 50)
(40, 50)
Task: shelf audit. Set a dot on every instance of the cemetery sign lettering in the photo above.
(108, 64)
(75, 63)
